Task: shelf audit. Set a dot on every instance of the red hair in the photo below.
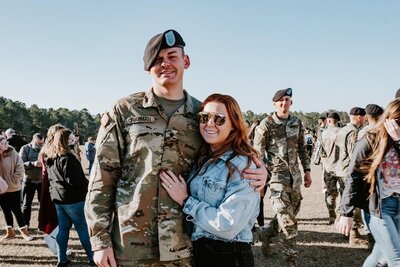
(237, 140)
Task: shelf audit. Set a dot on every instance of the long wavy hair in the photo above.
(237, 139)
(60, 146)
(49, 139)
(380, 142)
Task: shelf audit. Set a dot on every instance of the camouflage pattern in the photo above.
(345, 142)
(126, 207)
(331, 193)
(328, 143)
(186, 262)
(284, 146)
(363, 131)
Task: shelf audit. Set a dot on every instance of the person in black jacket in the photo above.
(68, 188)
(373, 185)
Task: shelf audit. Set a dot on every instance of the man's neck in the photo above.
(282, 115)
(172, 93)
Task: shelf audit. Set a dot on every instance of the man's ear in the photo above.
(186, 59)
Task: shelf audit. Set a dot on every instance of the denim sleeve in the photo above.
(232, 215)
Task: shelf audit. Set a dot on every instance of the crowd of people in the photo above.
(178, 182)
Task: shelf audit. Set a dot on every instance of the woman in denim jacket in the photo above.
(222, 205)
(374, 185)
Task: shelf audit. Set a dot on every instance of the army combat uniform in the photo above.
(126, 207)
(283, 143)
(329, 162)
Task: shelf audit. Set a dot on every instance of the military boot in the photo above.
(332, 217)
(9, 233)
(291, 263)
(355, 238)
(266, 247)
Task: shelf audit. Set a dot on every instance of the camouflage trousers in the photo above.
(286, 204)
(185, 262)
(331, 192)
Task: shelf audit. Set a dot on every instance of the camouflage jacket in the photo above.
(126, 207)
(345, 142)
(328, 139)
(283, 145)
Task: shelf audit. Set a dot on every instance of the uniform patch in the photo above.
(132, 120)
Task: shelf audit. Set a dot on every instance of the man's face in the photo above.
(168, 67)
(283, 105)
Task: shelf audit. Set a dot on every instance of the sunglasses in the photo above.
(218, 118)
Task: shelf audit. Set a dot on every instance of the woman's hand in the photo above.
(344, 225)
(393, 129)
(176, 187)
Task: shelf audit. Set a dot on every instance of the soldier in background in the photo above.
(132, 220)
(331, 180)
(345, 141)
(373, 113)
(281, 137)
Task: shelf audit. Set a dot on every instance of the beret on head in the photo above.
(397, 95)
(374, 110)
(281, 93)
(167, 39)
(357, 111)
(334, 115)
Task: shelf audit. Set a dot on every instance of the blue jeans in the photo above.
(386, 232)
(66, 215)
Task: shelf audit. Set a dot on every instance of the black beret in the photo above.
(281, 93)
(357, 111)
(374, 110)
(334, 115)
(167, 39)
(397, 95)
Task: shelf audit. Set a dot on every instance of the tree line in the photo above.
(29, 120)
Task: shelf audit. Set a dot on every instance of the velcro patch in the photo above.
(132, 120)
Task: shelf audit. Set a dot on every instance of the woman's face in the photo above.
(215, 124)
(3, 145)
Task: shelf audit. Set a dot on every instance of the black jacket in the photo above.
(68, 183)
(356, 193)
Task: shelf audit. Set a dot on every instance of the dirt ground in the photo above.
(319, 243)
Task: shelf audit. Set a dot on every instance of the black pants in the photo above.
(11, 203)
(28, 192)
(215, 253)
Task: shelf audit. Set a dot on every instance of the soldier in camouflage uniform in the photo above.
(328, 144)
(281, 137)
(131, 218)
(345, 142)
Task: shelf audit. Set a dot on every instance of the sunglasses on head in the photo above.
(218, 118)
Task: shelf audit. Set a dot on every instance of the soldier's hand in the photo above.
(175, 186)
(259, 175)
(104, 258)
(307, 179)
(344, 225)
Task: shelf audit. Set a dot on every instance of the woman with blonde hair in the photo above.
(374, 185)
(12, 171)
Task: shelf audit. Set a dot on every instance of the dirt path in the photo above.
(318, 242)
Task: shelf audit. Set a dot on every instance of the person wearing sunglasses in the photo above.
(280, 137)
(132, 219)
(222, 204)
(373, 184)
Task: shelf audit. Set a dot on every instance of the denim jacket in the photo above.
(222, 207)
